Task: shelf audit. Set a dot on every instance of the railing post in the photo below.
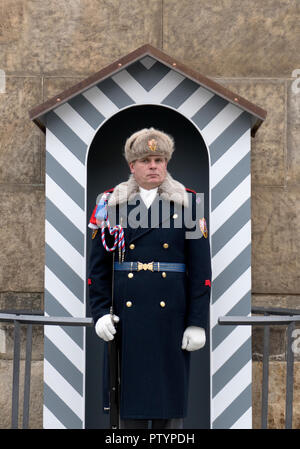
(16, 376)
(265, 378)
(289, 378)
(27, 376)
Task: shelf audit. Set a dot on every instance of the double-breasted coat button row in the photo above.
(165, 245)
(129, 304)
(164, 275)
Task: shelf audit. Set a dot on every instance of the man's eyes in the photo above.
(148, 160)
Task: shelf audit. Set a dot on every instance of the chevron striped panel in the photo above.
(225, 129)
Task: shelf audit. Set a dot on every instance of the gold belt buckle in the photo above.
(145, 266)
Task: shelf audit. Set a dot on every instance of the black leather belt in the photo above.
(152, 266)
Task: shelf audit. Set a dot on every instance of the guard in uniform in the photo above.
(162, 282)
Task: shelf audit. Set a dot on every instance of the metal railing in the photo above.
(272, 316)
(34, 318)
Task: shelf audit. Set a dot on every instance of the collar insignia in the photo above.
(203, 227)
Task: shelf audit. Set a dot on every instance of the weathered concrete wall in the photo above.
(250, 47)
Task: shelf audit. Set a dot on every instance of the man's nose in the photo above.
(152, 164)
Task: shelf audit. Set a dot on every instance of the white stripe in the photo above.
(221, 122)
(231, 203)
(132, 88)
(232, 390)
(50, 421)
(74, 121)
(231, 250)
(63, 389)
(100, 101)
(93, 226)
(65, 157)
(63, 295)
(64, 249)
(195, 102)
(164, 87)
(229, 159)
(65, 204)
(229, 346)
(231, 297)
(245, 421)
(66, 345)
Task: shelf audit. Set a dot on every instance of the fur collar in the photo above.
(169, 190)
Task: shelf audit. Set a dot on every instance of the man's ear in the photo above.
(131, 166)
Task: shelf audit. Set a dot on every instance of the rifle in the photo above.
(113, 356)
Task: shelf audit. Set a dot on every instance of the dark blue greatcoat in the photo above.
(154, 368)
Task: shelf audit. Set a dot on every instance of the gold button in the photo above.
(165, 245)
(162, 303)
(130, 275)
(164, 274)
(175, 216)
(132, 246)
(128, 303)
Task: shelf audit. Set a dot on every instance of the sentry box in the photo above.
(86, 127)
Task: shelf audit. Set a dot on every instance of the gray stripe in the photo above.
(181, 93)
(230, 181)
(232, 272)
(209, 111)
(231, 367)
(65, 134)
(87, 111)
(235, 410)
(64, 272)
(60, 410)
(64, 180)
(64, 226)
(54, 308)
(63, 365)
(242, 308)
(229, 136)
(147, 78)
(148, 62)
(114, 92)
(231, 226)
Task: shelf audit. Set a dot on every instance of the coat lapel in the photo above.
(159, 213)
(127, 208)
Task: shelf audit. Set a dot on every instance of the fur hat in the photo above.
(148, 142)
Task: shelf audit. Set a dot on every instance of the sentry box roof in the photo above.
(158, 65)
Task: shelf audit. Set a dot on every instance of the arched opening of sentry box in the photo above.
(107, 167)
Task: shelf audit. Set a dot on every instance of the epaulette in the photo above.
(190, 190)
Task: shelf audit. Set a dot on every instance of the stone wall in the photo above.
(250, 47)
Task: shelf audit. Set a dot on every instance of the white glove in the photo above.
(193, 338)
(104, 327)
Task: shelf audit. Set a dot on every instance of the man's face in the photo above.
(150, 171)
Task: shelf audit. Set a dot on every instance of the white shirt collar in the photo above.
(148, 195)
